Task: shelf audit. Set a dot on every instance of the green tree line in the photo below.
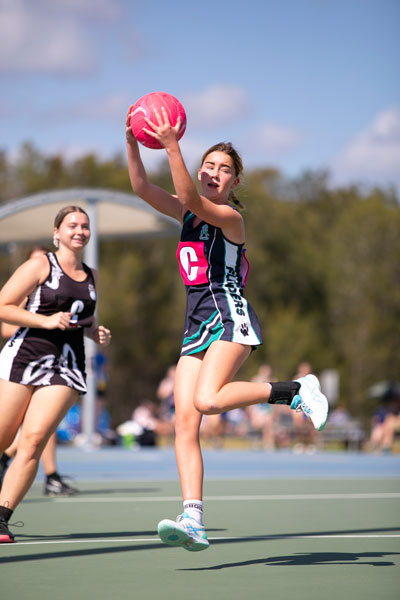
(324, 277)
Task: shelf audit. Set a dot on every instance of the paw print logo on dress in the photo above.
(244, 329)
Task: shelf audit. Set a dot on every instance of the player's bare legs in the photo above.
(215, 391)
(187, 427)
(45, 411)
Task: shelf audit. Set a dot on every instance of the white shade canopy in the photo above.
(30, 219)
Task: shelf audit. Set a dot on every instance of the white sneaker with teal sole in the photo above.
(311, 401)
(185, 532)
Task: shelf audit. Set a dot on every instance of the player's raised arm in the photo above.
(157, 197)
(218, 176)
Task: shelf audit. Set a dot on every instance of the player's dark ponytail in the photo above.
(232, 198)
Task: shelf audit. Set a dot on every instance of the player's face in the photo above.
(74, 230)
(217, 176)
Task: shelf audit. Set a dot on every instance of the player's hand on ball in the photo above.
(163, 131)
(130, 138)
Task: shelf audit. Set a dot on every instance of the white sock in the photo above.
(194, 508)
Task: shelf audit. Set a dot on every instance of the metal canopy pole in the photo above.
(91, 258)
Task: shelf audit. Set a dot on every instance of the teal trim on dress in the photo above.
(206, 344)
(188, 216)
(200, 330)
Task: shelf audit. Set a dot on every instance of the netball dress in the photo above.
(39, 357)
(214, 271)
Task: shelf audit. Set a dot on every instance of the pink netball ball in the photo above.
(146, 106)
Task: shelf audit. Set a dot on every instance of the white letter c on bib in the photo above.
(192, 262)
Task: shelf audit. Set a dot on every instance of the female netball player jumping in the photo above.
(42, 367)
(221, 328)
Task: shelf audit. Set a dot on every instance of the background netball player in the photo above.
(220, 326)
(42, 367)
(55, 485)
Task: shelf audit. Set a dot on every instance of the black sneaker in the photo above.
(6, 537)
(56, 486)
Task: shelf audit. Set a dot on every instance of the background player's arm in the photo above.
(98, 333)
(20, 285)
(7, 330)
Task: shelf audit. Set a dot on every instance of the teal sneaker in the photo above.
(185, 532)
(311, 401)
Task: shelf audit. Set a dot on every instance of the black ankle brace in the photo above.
(5, 513)
(283, 392)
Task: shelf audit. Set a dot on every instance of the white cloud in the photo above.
(276, 140)
(375, 152)
(59, 36)
(32, 40)
(113, 106)
(269, 143)
(217, 105)
(94, 9)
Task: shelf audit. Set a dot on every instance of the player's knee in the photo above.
(31, 446)
(185, 426)
(206, 404)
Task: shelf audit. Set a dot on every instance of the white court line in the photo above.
(361, 496)
(245, 539)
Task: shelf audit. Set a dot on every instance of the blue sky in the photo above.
(294, 84)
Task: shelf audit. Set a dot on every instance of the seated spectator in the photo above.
(212, 430)
(386, 421)
(304, 434)
(261, 416)
(145, 427)
(165, 394)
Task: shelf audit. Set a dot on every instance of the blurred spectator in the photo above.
(339, 416)
(304, 434)
(165, 394)
(100, 369)
(212, 429)
(391, 426)
(108, 436)
(235, 422)
(69, 429)
(342, 428)
(303, 369)
(262, 416)
(145, 427)
(70, 426)
(386, 421)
